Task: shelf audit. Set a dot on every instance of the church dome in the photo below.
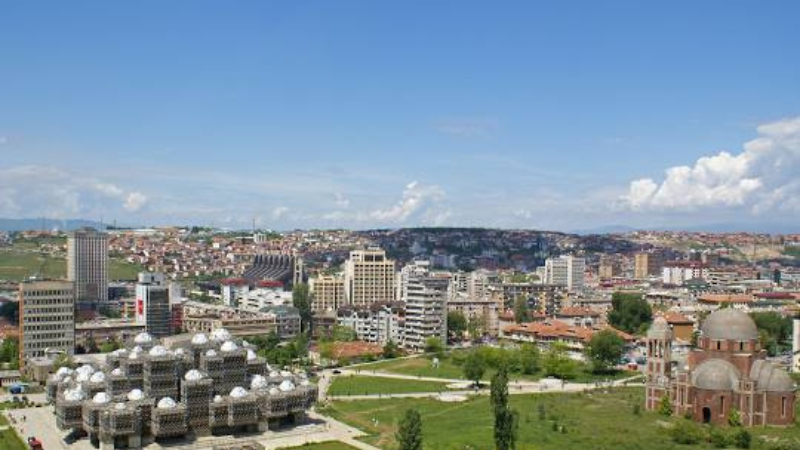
(780, 381)
(770, 378)
(716, 375)
(729, 324)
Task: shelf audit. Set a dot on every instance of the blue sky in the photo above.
(564, 115)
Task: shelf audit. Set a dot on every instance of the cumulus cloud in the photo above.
(135, 201)
(762, 177)
(33, 190)
(416, 198)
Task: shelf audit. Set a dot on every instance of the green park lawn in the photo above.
(10, 441)
(19, 263)
(422, 367)
(366, 385)
(418, 367)
(330, 445)
(597, 421)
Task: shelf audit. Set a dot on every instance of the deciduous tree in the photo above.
(605, 349)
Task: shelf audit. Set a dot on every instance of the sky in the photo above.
(363, 114)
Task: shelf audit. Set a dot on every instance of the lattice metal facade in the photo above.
(147, 392)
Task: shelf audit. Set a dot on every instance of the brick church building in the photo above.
(728, 370)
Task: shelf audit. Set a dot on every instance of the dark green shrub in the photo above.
(718, 438)
(742, 438)
(686, 432)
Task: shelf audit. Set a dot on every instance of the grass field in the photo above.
(330, 445)
(418, 367)
(19, 263)
(366, 385)
(594, 421)
(10, 441)
(422, 367)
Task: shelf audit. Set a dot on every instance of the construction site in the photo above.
(211, 385)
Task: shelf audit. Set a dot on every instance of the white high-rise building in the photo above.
(87, 264)
(152, 304)
(46, 319)
(566, 270)
(369, 277)
(425, 297)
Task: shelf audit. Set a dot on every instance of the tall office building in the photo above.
(646, 265)
(425, 297)
(566, 270)
(327, 293)
(152, 304)
(369, 277)
(46, 319)
(87, 264)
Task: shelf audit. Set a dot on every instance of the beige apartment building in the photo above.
(46, 319)
(369, 277)
(327, 293)
(646, 265)
(87, 264)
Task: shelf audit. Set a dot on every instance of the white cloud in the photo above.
(763, 177)
(416, 198)
(135, 201)
(33, 190)
(108, 189)
(279, 212)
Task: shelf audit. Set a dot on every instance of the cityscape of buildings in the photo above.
(399, 225)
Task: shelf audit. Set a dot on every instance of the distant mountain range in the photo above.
(47, 224)
(732, 227)
(772, 228)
